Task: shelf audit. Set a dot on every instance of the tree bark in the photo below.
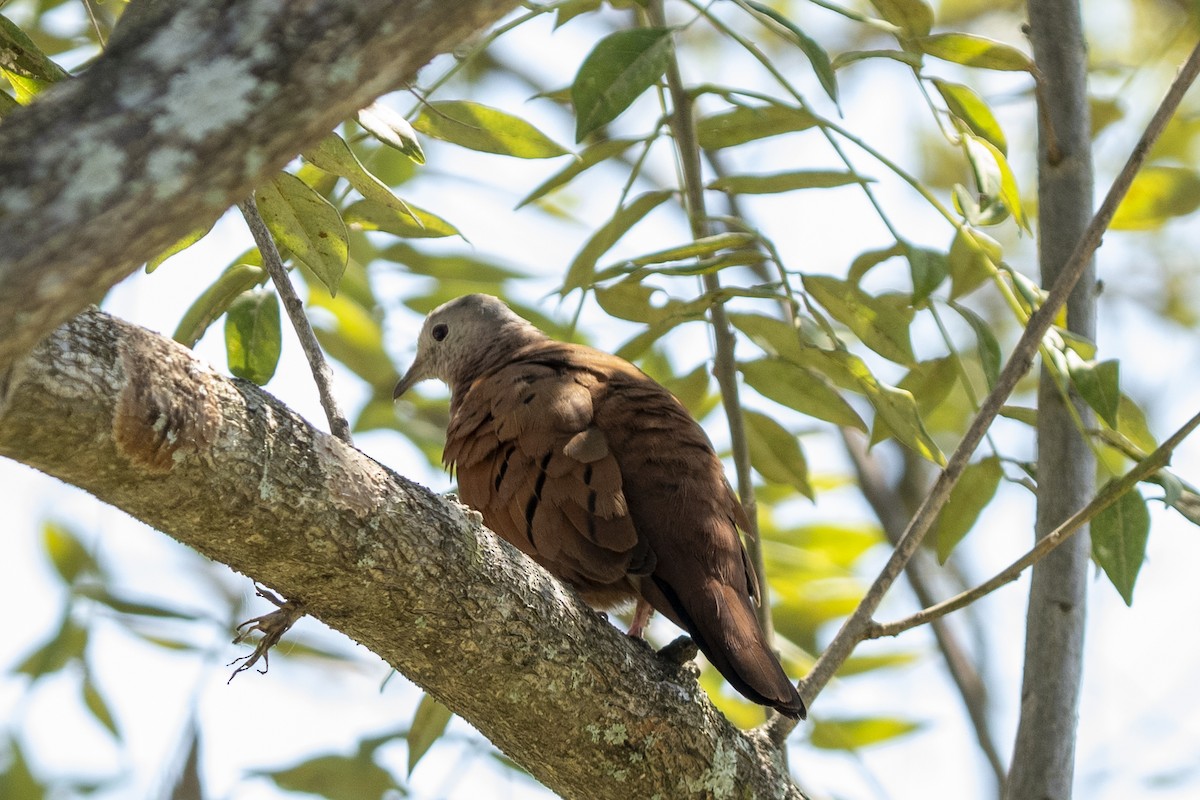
(1044, 754)
(191, 107)
(222, 466)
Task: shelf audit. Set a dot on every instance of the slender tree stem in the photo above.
(322, 375)
(1018, 364)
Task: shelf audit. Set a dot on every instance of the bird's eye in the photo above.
(439, 332)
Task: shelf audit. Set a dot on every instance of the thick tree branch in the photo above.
(220, 465)
(190, 108)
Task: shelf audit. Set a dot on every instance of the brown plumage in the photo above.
(599, 474)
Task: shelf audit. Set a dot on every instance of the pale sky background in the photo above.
(1140, 716)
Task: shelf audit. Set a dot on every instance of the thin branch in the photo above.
(1109, 494)
(322, 375)
(1019, 362)
(687, 147)
(889, 506)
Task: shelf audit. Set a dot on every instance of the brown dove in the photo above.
(598, 473)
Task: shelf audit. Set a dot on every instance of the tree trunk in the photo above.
(1044, 754)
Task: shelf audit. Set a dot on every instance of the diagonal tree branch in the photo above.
(220, 465)
(184, 114)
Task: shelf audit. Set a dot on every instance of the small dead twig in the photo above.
(272, 626)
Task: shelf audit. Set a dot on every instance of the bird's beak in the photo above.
(415, 374)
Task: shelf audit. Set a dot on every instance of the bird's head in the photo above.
(463, 338)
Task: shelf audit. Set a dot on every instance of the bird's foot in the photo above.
(680, 651)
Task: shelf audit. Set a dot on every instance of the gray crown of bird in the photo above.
(599, 474)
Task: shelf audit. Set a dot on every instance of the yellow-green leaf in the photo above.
(1158, 194)
(859, 732)
(580, 273)
(747, 123)
(879, 325)
(428, 725)
(975, 51)
(972, 260)
(214, 301)
(187, 241)
(912, 17)
(306, 224)
(486, 129)
(786, 181)
(974, 490)
(775, 453)
(973, 111)
(416, 223)
(68, 555)
(333, 155)
(1009, 192)
(590, 157)
(1098, 384)
(801, 389)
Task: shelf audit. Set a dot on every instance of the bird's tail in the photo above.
(722, 622)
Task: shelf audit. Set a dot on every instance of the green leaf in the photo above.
(7, 104)
(1158, 194)
(66, 646)
(975, 51)
(986, 346)
(974, 490)
(1131, 422)
(699, 248)
(816, 54)
(619, 69)
(787, 181)
(566, 11)
(451, 266)
(972, 261)
(859, 732)
(775, 336)
(775, 453)
(879, 325)
(590, 157)
(969, 107)
(859, 665)
(333, 155)
(912, 17)
(428, 725)
(748, 123)
(215, 300)
(417, 223)
(253, 336)
(851, 56)
(896, 408)
(869, 259)
(68, 555)
(1009, 193)
(1098, 385)
(335, 777)
(928, 269)
(187, 241)
(306, 224)
(392, 130)
(1119, 536)
(801, 389)
(17, 781)
(486, 129)
(101, 594)
(580, 273)
(96, 704)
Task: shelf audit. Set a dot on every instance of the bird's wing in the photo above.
(531, 460)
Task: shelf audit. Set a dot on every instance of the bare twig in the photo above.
(322, 375)
(888, 506)
(1108, 495)
(1019, 362)
(275, 624)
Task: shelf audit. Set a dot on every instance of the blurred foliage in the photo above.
(900, 342)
